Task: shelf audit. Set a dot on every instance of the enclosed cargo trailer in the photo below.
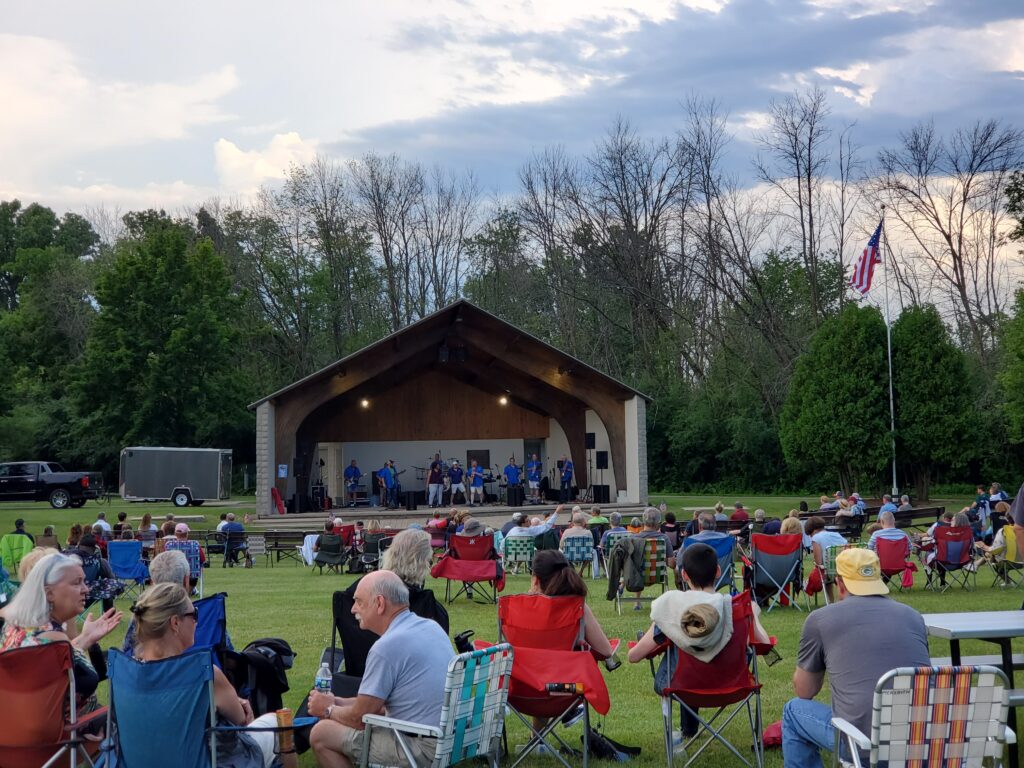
(181, 475)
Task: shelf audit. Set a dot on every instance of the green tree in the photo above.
(158, 367)
(1011, 373)
(935, 415)
(835, 417)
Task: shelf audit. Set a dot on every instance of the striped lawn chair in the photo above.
(609, 544)
(655, 569)
(578, 550)
(189, 548)
(519, 549)
(924, 716)
(472, 716)
(828, 568)
(257, 547)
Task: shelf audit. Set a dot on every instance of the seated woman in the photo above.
(821, 540)
(52, 595)
(165, 627)
(554, 577)
(103, 585)
(996, 554)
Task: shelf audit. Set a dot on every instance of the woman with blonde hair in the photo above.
(165, 627)
(409, 556)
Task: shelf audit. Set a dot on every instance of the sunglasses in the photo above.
(190, 615)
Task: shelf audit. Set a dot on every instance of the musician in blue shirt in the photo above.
(566, 479)
(352, 477)
(512, 472)
(455, 474)
(476, 483)
(534, 469)
(386, 478)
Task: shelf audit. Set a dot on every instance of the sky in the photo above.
(127, 104)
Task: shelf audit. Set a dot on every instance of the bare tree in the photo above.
(948, 197)
(447, 218)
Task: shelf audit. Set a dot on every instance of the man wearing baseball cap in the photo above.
(855, 640)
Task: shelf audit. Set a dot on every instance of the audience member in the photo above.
(165, 621)
(578, 528)
(404, 678)
(790, 526)
(828, 505)
(74, 535)
(821, 540)
(739, 513)
(772, 526)
(597, 517)
(888, 531)
(101, 521)
(614, 526)
(223, 521)
(327, 531)
(905, 504)
(720, 512)
(166, 568)
(235, 542)
(834, 640)
(19, 530)
(517, 520)
(119, 525)
(996, 554)
(54, 594)
(28, 562)
(857, 504)
(193, 552)
(536, 526)
(635, 526)
(887, 505)
(127, 534)
(103, 586)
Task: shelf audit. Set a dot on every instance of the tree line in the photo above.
(723, 298)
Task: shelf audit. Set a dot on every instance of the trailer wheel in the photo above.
(181, 498)
(60, 498)
(197, 502)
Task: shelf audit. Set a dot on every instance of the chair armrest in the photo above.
(482, 645)
(87, 720)
(851, 732)
(299, 722)
(1010, 736)
(394, 724)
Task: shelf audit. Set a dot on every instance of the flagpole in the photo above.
(888, 339)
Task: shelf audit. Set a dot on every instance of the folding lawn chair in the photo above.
(472, 715)
(579, 551)
(924, 716)
(331, 553)
(37, 687)
(728, 680)
(126, 562)
(13, 547)
(954, 547)
(1008, 571)
(609, 544)
(190, 549)
(257, 546)
(894, 561)
(655, 569)
(181, 690)
(519, 549)
(470, 560)
(374, 545)
(725, 549)
(553, 676)
(827, 569)
(776, 563)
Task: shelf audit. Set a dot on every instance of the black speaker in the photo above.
(602, 460)
(602, 494)
(410, 500)
(299, 464)
(591, 441)
(516, 496)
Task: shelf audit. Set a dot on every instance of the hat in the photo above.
(472, 527)
(181, 528)
(855, 496)
(455, 461)
(861, 572)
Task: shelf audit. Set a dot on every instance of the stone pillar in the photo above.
(636, 450)
(266, 458)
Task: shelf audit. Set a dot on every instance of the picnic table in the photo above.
(999, 627)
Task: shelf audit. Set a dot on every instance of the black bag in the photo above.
(265, 673)
(606, 748)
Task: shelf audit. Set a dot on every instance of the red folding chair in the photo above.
(728, 680)
(37, 708)
(553, 673)
(954, 557)
(470, 560)
(893, 559)
(776, 565)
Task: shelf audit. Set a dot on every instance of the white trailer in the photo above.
(181, 475)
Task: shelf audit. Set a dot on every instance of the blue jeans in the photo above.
(806, 730)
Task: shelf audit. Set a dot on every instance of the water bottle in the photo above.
(323, 679)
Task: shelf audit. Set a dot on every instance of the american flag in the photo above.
(865, 267)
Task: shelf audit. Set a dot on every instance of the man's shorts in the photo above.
(385, 750)
(534, 484)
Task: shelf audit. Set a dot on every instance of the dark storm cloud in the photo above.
(743, 57)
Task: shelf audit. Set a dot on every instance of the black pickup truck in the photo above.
(47, 481)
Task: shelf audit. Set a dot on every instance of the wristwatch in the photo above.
(328, 711)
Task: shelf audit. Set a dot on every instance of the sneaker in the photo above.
(573, 715)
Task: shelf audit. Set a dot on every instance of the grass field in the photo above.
(294, 603)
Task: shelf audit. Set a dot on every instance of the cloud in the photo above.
(53, 109)
(243, 172)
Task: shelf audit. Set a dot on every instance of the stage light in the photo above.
(365, 403)
(503, 400)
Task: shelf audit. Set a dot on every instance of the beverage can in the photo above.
(286, 738)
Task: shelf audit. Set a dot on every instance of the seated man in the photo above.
(234, 543)
(579, 526)
(536, 526)
(888, 531)
(195, 554)
(652, 530)
(404, 678)
(905, 505)
(834, 640)
(165, 568)
(671, 616)
(887, 505)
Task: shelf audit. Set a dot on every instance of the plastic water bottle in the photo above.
(324, 679)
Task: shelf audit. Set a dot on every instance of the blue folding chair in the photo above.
(211, 628)
(725, 549)
(125, 558)
(180, 690)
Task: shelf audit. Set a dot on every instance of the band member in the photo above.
(476, 483)
(396, 488)
(388, 481)
(534, 471)
(435, 483)
(566, 479)
(353, 474)
(455, 474)
(512, 472)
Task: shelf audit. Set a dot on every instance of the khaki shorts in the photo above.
(384, 748)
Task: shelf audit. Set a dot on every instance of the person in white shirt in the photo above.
(223, 521)
(101, 521)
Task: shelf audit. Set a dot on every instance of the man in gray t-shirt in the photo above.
(836, 640)
(404, 678)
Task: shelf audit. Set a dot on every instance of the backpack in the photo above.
(264, 673)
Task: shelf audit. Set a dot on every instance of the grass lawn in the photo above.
(294, 603)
